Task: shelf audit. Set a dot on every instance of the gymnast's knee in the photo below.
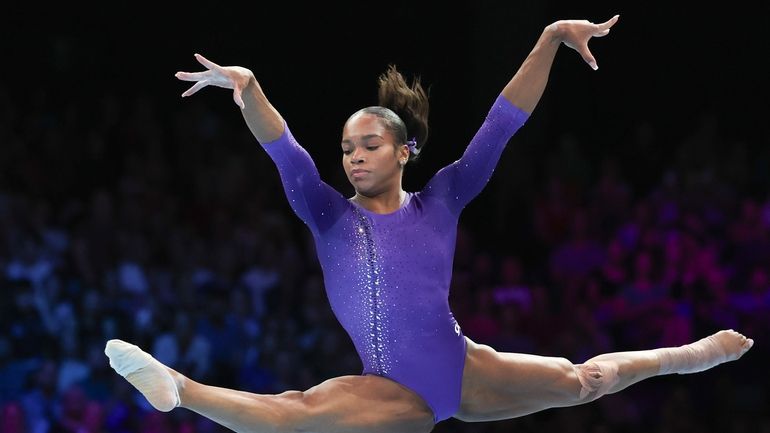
(291, 412)
(596, 378)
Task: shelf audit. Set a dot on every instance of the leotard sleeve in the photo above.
(315, 202)
(459, 182)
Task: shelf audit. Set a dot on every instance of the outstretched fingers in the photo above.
(600, 30)
(585, 53)
(192, 76)
(206, 62)
(604, 28)
(202, 77)
(238, 99)
(227, 77)
(197, 86)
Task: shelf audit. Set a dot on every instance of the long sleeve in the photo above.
(459, 182)
(316, 203)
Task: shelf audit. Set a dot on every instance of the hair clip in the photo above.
(412, 145)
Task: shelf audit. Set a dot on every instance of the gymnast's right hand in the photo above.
(228, 77)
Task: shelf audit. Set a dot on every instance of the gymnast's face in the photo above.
(370, 157)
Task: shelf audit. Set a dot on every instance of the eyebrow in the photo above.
(364, 138)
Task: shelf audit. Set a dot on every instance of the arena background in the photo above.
(631, 211)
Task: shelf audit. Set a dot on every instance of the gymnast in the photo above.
(386, 256)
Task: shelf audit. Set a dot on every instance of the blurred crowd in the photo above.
(172, 231)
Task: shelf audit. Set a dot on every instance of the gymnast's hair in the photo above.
(403, 109)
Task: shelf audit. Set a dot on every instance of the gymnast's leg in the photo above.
(507, 385)
(343, 404)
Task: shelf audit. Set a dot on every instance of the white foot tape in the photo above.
(704, 354)
(145, 373)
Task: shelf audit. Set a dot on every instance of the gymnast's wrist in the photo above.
(554, 32)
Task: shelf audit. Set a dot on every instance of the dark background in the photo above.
(686, 81)
(672, 66)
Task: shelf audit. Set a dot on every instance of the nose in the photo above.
(356, 157)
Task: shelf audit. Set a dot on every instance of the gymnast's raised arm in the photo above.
(458, 183)
(527, 85)
(263, 119)
(315, 202)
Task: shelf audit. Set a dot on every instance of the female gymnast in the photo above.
(386, 256)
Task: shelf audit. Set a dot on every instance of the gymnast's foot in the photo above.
(705, 353)
(145, 373)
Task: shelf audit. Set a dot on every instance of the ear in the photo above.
(403, 153)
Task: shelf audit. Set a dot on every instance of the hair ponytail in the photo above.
(404, 108)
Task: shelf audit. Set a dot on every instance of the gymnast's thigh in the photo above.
(499, 385)
(368, 403)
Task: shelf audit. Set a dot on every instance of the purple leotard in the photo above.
(387, 275)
